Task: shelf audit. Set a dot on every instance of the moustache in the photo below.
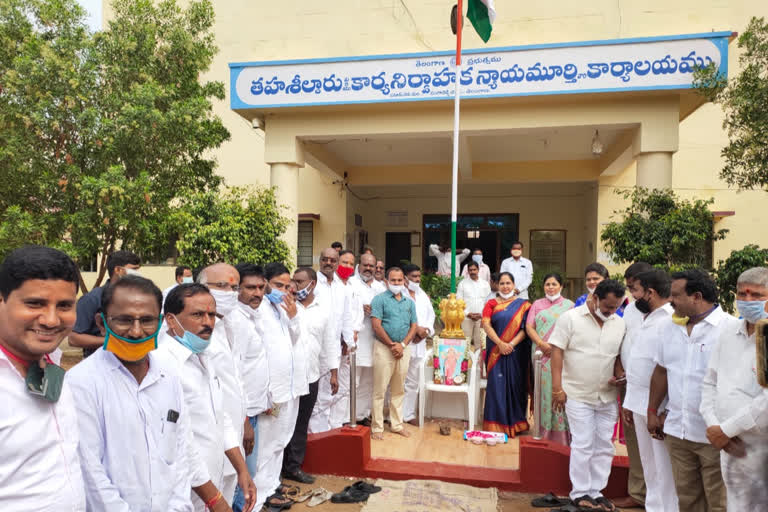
(205, 330)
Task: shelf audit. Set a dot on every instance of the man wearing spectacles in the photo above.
(123, 393)
(379, 273)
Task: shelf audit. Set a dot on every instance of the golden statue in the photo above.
(452, 314)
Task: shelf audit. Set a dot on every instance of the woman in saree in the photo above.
(507, 360)
(541, 322)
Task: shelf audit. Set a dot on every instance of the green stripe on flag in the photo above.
(481, 14)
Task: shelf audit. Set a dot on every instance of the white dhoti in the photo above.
(411, 400)
(320, 421)
(660, 494)
(364, 390)
(339, 414)
(274, 435)
(592, 449)
(746, 478)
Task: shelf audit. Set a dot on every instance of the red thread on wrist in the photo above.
(654, 411)
(210, 504)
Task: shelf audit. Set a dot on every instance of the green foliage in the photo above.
(728, 271)
(744, 98)
(660, 228)
(438, 288)
(234, 225)
(101, 133)
(536, 289)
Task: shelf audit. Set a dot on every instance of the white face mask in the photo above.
(225, 301)
(187, 280)
(413, 286)
(600, 314)
(553, 298)
(507, 295)
(477, 258)
(591, 290)
(132, 272)
(396, 289)
(516, 253)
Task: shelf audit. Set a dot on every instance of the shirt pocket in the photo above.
(166, 441)
(703, 351)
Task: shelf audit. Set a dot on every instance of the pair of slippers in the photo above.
(355, 493)
(550, 500)
(585, 503)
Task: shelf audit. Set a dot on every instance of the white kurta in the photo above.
(426, 317)
(112, 408)
(444, 259)
(353, 322)
(242, 323)
(732, 398)
(39, 463)
(212, 429)
(522, 271)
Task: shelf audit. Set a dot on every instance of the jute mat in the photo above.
(430, 496)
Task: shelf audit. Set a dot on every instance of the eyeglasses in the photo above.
(148, 324)
(223, 285)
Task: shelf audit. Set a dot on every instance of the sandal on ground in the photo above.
(587, 503)
(278, 502)
(366, 487)
(605, 504)
(289, 491)
(350, 495)
(550, 500)
(319, 497)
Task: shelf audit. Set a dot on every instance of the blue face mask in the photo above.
(752, 310)
(303, 293)
(192, 341)
(275, 296)
(187, 280)
(477, 258)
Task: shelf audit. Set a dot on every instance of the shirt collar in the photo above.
(742, 328)
(178, 350)
(113, 363)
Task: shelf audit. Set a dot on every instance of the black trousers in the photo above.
(293, 456)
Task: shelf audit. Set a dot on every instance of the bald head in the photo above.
(329, 261)
(219, 276)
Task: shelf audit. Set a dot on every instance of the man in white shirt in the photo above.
(379, 273)
(734, 405)
(366, 287)
(353, 319)
(280, 330)
(39, 464)
(520, 268)
(633, 319)
(123, 393)
(484, 271)
(681, 361)
(242, 324)
(585, 348)
(190, 316)
(474, 292)
(426, 329)
(443, 255)
(316, 344)
(329, 288)
(182, 275)
(226, 353)
(652, 290)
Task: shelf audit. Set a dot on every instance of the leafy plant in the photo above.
(661, 229)
(729, 270)
(239, 224)
(743, 98)
(437, 287)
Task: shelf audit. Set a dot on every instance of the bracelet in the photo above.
(561, 392)
(209, 504)
(654, 411)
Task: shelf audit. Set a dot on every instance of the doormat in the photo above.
(430, 496)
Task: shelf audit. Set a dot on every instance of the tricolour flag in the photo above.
(481, 14)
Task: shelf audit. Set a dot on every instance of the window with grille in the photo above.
(304, 248)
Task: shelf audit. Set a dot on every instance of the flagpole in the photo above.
(455, 174)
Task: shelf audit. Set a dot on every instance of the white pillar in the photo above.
(654, 170)
(285, 177)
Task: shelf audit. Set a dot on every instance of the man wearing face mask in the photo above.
(86, 333)
(484, 272)
(316, 346)
(39, 465)
(190, 315)
(474, 292)
(520, 268)
(585, 367)
(734, 405)
(681, 361)
(183, 275)
(226, 355)
(116, 390)
(651, 290)
(242, 322)
(426, 328)
(366, 287)
(279, 326)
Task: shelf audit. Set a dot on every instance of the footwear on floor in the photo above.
(550, 500)
(278, 502)
(365, 422)
(366, 487)
(350, 495)
(299, 476)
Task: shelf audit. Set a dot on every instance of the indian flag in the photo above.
(482, 13)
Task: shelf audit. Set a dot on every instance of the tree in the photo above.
(661, 229)
(744, 99)
(235, 225)
(728, 271)
(100, 134)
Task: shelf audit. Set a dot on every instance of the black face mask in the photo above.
(643, 306)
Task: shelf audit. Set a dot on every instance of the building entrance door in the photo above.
(398, 248)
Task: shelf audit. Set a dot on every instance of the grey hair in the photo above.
(755, 275)
(202, 277)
